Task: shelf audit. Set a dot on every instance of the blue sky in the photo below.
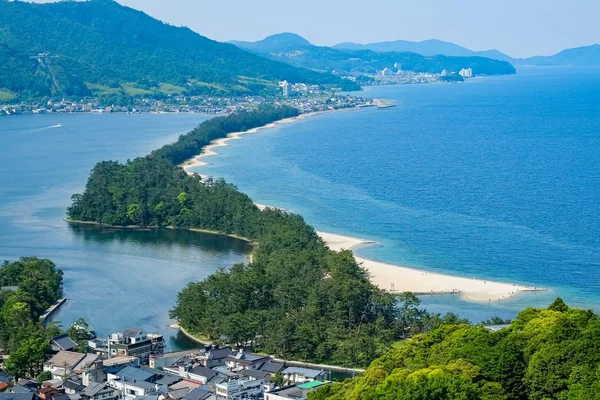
(519, 28)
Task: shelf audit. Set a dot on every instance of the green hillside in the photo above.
(544, 354)
(100, 47)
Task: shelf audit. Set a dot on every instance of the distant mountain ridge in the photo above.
(427, 48)
(295, 50)
(579, 56)
(585, 55)
(101, 48)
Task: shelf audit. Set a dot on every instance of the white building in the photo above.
(466, 73)
(287, 88)
(240, 389)
(386, 72)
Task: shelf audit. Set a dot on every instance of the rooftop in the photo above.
(311, 385)
(131, 373)
(306, 372)
(64, 342)
(132, 332)
(67, 359)
(119, 360)
(203, 371)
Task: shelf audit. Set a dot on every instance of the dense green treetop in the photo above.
(38, 285)
(544, 354)
(102, 48)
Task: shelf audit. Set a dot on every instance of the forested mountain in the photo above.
(281, 42)
(100, 47)
(297, 51)
(579, 56)
(544, 354)
(426, 47)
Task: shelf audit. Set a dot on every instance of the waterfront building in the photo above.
(287, 88)
(135, 342)
(166, 359)
(466, 73)
(62, 342)
(243, 360)
(301, 375)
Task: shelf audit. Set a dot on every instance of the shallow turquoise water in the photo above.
(497, 178)
(113, 279)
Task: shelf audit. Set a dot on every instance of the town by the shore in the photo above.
(393, 278)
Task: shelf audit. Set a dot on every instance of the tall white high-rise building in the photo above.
(466, 73)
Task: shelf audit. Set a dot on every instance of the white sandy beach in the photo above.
(394, 278)
(398, 279)
(208, 151)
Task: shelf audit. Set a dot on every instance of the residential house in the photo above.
(200, 393)
(295, 375)
(271, 367)
(243, 360)
(63, 343)
(16, 396)
(240, 389)
(49, 392)
(214, 356)
(135, 342)
(166, 359)
(97, 372)
(141, 381)
(293, 392)
(100, 391)
(63, 363)
(198, 374)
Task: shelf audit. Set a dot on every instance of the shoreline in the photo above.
(207, 151)
(390, 277)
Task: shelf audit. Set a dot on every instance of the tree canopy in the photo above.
(31, 286)
(544, 354)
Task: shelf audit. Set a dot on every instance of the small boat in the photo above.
(59, 125)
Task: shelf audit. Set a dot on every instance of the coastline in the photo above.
(207, 151)
(390, 277)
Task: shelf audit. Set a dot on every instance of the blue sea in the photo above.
(496, 178)
(114, 279)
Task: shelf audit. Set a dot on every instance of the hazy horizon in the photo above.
(519, 30)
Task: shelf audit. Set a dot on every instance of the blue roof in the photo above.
(131, 373)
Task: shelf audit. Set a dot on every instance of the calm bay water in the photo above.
(113, 278)
(497, 178)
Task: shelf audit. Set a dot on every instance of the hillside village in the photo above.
(131, 365)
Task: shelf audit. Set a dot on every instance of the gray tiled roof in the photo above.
(64, 342)
(203, 371)
(306, 372)
(271, 367)
(131, 332)
(16, 396)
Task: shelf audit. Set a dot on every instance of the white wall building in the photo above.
(466, 73)
(240, 389)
